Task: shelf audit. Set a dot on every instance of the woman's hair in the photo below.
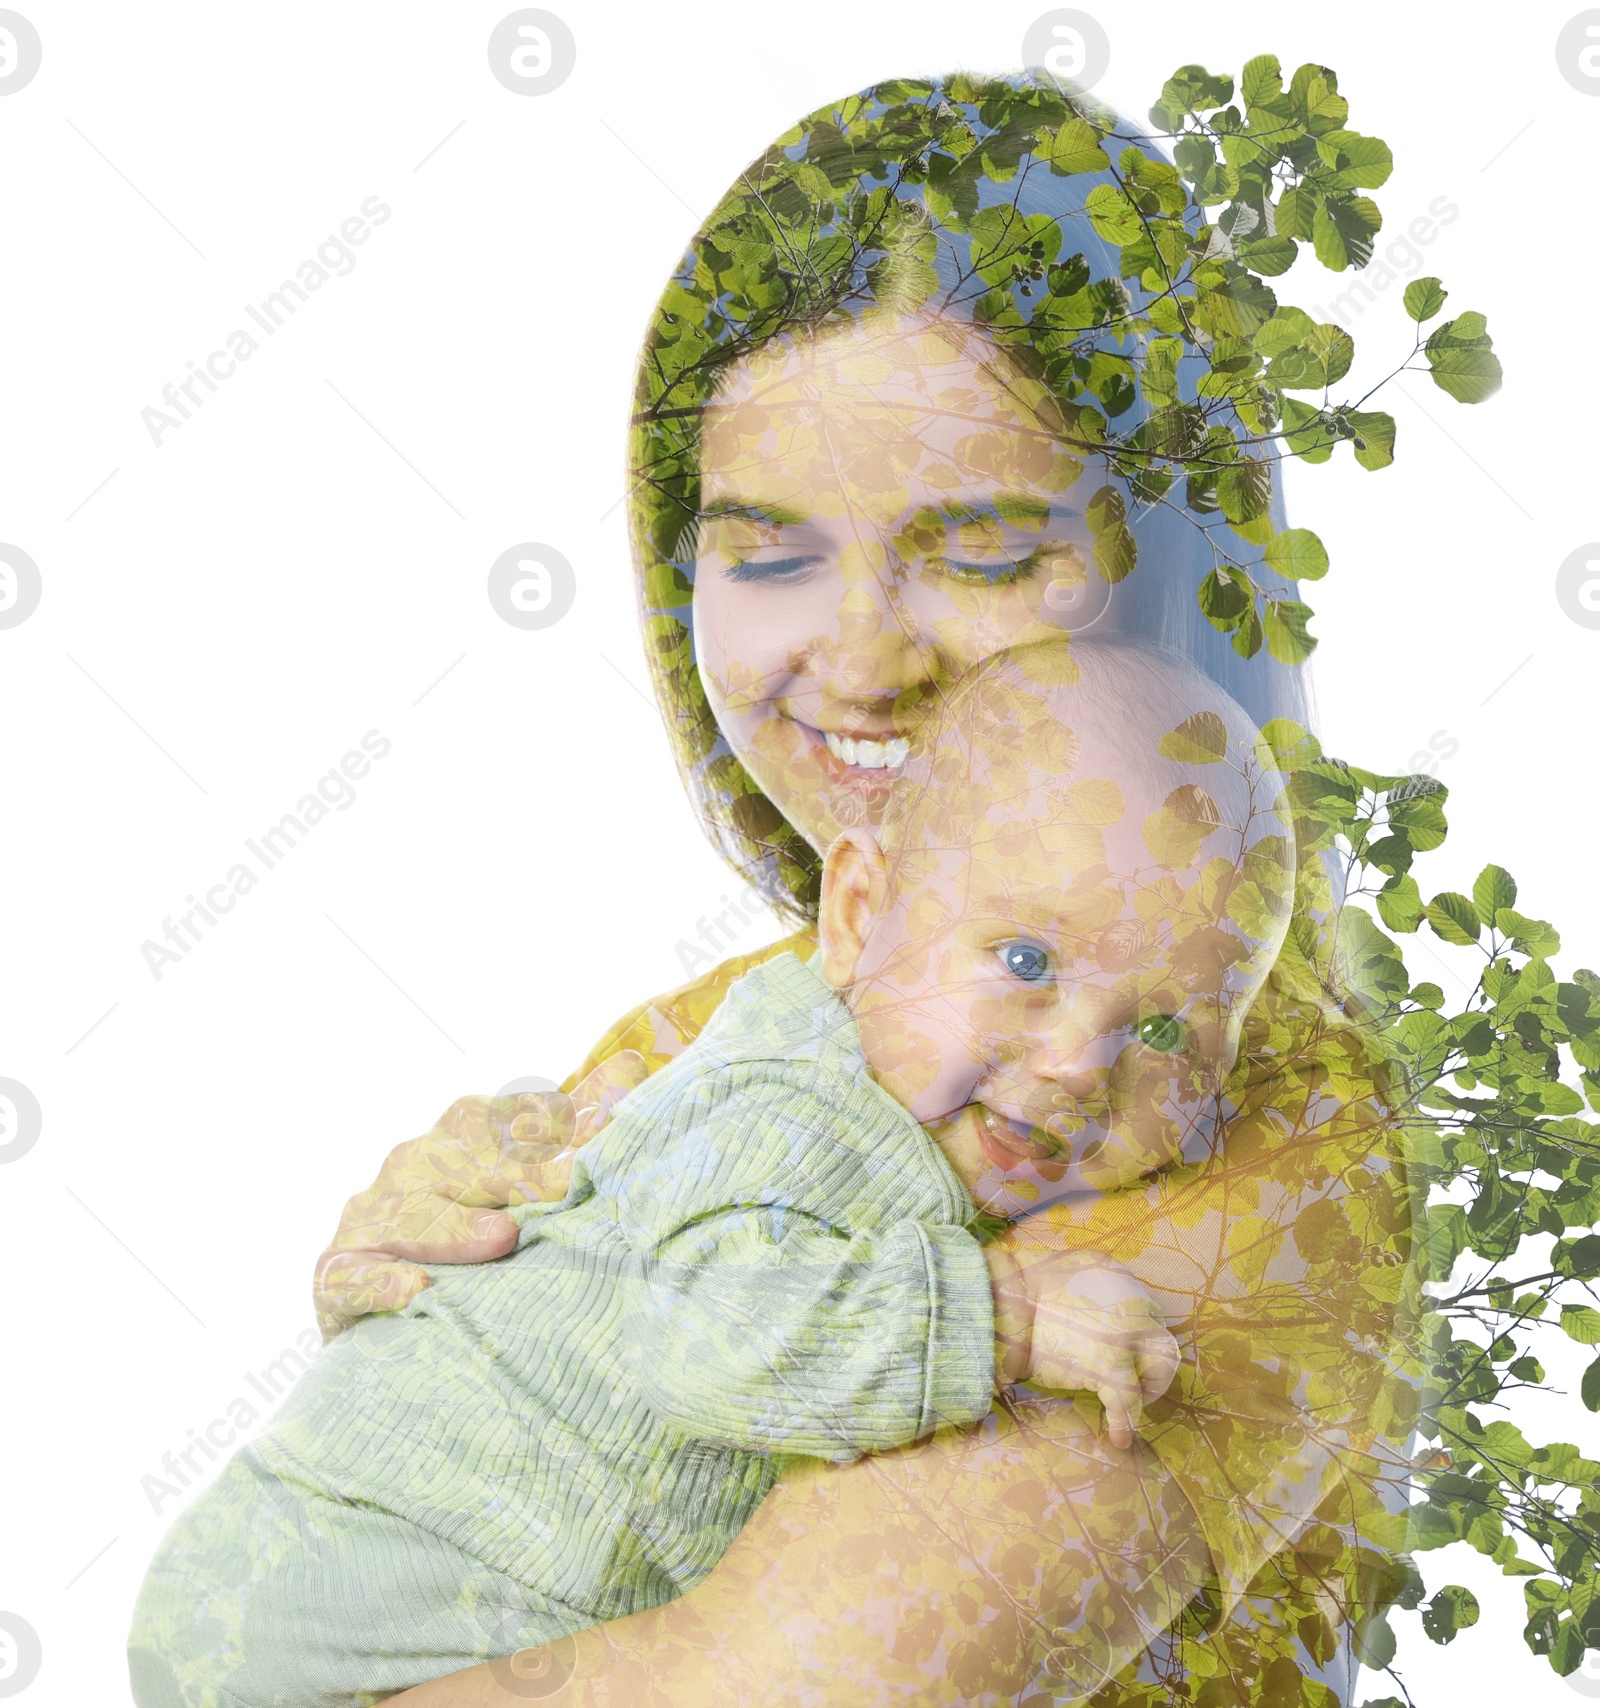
(897, 198)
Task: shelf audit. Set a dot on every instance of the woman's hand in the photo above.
(442, 1198)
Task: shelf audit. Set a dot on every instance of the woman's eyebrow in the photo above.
(759, 509)
(961, 506)
(971, 505)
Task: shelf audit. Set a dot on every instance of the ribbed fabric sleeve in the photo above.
(761, 1255)
(807, 1282)
(768, 1330)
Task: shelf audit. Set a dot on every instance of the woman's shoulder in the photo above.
(662, 1027)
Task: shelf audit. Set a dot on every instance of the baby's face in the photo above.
(1055, 976)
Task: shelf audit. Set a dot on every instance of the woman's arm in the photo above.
(1024, 1556)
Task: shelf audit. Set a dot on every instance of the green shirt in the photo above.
(762, 1254)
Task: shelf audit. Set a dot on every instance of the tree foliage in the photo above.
(1494, 1087)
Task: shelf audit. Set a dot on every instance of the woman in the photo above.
(858, 453)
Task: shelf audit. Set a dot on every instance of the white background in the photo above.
(229, 612)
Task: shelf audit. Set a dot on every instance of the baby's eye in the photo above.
(1027, 961)
(1163, 1032)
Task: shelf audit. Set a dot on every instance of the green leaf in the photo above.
(1452, 1609)
(1581, 1323)
(1400, 904)
(1315, 98)
(1159, 378)
(1115, 219)
(1244, 490)
(1284, 625)
(1469, 376)
(1360, 162)
(1334, 350)
(1114, 550)
(1461, 356)
(1198, 740)
(1579, 1259)
(1247, 636)
(1298, 554)
(1442, 1239)
(1342, 232)
(1188, 90)
(1531, 936)
(1420, 816)
(1424, 298)
(1374, 437)
(1589, 1388)
(1309, 435)
(1287, 328)
(1492, 889)
(1225, 598)
(1374, 1643)
(1075, 148)
(1268, 256)
(1290, 744)
(1295, 213)
(1261, 82)
(1453, 917)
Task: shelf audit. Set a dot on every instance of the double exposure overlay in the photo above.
(1030, 1279)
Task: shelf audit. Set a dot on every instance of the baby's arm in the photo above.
(804, 1278)
(1079, 1320)
(766, 1327)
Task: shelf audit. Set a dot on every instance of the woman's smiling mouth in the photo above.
(867, 755)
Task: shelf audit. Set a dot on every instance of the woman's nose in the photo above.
(880, 650)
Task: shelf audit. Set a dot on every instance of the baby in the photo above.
(1031, 982)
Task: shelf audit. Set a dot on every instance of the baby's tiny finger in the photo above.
(1121, 1413)
(1158, 1362)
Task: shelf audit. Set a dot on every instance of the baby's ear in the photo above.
(855, 887)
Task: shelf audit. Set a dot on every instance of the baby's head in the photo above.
(1077, 890)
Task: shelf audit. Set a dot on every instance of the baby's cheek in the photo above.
(909, 1056)
(1162, 1117)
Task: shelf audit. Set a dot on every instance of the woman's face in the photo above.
(881, 507)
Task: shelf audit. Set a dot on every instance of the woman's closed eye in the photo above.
(748, 546)
(786, 570)
(988, 572)
(997, 561)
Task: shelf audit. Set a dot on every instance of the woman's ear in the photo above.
(855, 886)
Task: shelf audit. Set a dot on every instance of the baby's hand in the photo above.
(1082, 1321)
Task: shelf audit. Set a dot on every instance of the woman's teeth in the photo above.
(869, 755)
